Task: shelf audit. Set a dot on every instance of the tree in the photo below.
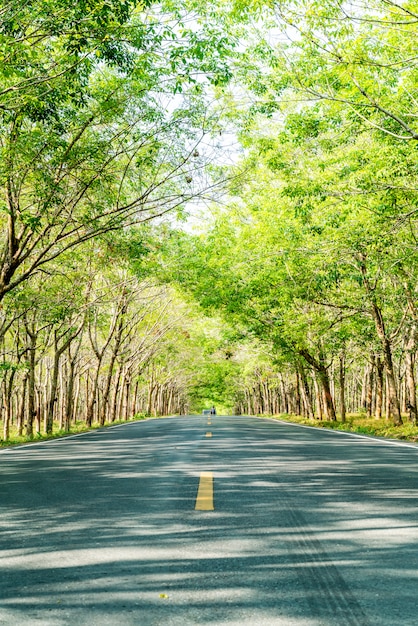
(95, 135)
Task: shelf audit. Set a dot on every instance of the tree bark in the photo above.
(343, 409)
(93, 394)
(8, 390)
(318, 399)
(22, 405)
(364, 387)
(115, 397)
(284, 395)
(370, 386)
(410, 375)
(306, 392)
(72, 398)
(380, 367)
(297, 395)
(53, 392)
(32, 335)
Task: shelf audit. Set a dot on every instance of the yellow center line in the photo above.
(204, 498)
(208, 434)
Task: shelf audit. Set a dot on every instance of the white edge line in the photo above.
(331, 431)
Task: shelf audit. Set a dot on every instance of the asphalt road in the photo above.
(309, 527)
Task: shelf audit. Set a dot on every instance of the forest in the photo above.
(207, 203)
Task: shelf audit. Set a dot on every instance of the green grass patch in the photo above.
(57, 433)
(356, 423)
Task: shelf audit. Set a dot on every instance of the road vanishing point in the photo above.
(220, 521)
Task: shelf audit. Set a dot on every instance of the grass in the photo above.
(77, 427)
(357, 423)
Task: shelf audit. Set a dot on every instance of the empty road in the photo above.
(222, 521)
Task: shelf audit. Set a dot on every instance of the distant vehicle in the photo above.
(206, 412)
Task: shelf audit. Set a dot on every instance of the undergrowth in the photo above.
(357, 423)
(76, 428)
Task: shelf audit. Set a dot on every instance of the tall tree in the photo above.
(101, 118)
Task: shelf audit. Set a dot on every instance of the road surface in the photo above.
(297, 527)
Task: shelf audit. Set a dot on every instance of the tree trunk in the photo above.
(93, 394)
(151, 390)
(284, 395)
(306, 392)
(318, 400)
(22, 406)
(328, 401)
(365, 387)
(126, 400)
(394, 412)
(115, 397)
(38, 411)
(298, 403)
(119, 410)
(370, 386)
(410, 375)
(380, 367)
(31, 380)
(69, 409)
(343, 409)
(53, 392)
(135, 399)
(8, 390)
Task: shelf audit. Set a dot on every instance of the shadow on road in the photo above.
(309, 528)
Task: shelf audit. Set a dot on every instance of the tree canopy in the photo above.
(299, 292)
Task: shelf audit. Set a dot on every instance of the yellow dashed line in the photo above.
(204, 499)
